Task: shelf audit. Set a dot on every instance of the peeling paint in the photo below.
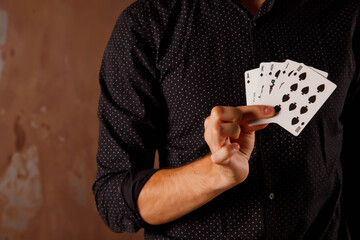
(20, 135)
(3, 26)
(1, 63)
(34, 124)
(20, 190)
(77, 180)
(43, 109)
(61, 138)
(3, 32)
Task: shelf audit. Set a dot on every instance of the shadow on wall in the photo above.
(50, 54)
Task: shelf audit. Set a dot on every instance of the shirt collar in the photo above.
(265, 7)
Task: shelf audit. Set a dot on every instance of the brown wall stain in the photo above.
(50, 54)
(20, 190)
(20, 135)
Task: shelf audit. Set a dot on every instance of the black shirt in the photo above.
(169, 62)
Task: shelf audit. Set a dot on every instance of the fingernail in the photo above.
(268, 110)
(236, 147)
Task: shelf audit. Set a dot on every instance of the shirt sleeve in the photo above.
(350, 154)
(128, 110)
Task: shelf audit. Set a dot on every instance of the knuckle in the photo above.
(229, 151)
(217, 129)
(217, 111)
(206, 121)
(240, 114)
(233, 129)
(237, 129)
(206, 136)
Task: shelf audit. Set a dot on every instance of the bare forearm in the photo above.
(172, 193)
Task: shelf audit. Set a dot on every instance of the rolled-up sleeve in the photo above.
(128, 110)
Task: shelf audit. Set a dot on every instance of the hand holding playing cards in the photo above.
(231, 140)
(297, 92)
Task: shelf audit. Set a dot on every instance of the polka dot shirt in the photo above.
(169, 62)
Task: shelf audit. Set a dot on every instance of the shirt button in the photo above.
(271, 196)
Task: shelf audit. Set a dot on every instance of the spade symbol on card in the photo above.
(277, 108)
(304, 109)
(294, 87)
(295, 120)
(312, 99)
(321, 88)
(292, 106)
(305, 90)
(286, 97)
(302, 76)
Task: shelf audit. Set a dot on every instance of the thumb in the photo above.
(224, 153)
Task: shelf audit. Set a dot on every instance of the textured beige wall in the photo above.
(50, 53)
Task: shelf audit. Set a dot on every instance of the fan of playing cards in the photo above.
(295, 90)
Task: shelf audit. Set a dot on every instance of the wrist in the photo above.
(214, 180)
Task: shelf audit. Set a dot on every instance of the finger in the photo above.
(229, 130)
(206, 122)
(215, 134)
(247, 129)
(256, 112)
(226, 114)
(221, 156)
(220, 132)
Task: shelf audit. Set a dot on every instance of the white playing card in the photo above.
(251, 83)
(300, 95)
(282, 72)
(322, 73)
(271, 77)
(277, 75)
(288, 68)
(263, 72)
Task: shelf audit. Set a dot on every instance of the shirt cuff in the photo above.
(132, 184)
